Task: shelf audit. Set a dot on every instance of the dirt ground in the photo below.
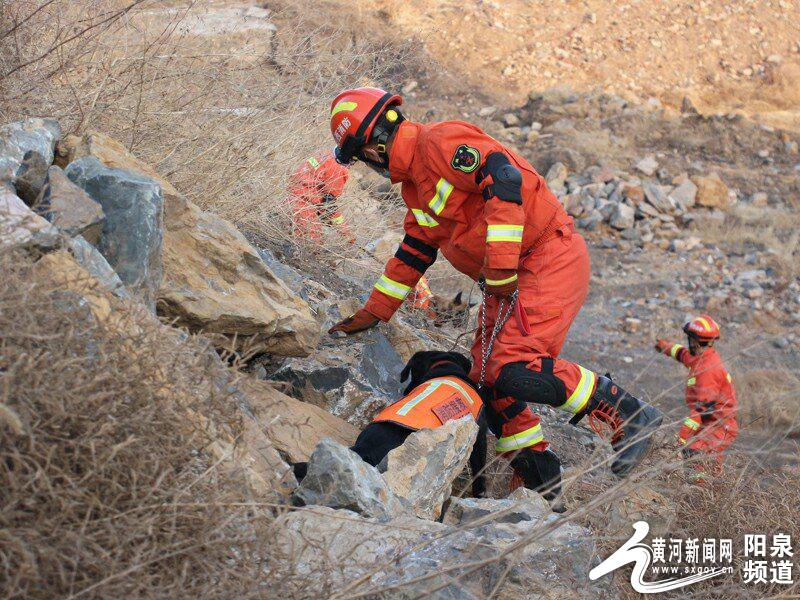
(726, 55)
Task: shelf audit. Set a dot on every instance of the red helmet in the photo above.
(703, 328)
(354, 114)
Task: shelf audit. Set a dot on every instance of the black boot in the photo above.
(540, 471)
(632, 421)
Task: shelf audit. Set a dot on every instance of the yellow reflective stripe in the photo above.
(423, 218)
(443, 190)
(705, 323)
(313, 162)
(392, 288)
(338, 220)
(691, 423)
(502, 281)
(504, 233)
(581, 394)
(673, 352)
(691, 381)
(728, 377)
(406, 408)
(518, 441)
(681, 441)
(432, 386)
(343, 106)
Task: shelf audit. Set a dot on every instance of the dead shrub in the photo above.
(107, 487)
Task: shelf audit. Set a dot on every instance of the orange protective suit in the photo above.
(711, 425)
(313, 189)
(535, 241)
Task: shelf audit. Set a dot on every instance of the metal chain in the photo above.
(500, 321)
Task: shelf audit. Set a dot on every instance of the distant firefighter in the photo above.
(711, 425)
(314, 187)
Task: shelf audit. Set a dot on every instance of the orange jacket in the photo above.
(433, 403)
(439, 166)
(710, 395)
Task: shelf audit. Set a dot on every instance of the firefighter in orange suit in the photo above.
(711, 425)
(314, 187)
(438, 391)
(494, 219)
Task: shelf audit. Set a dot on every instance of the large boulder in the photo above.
(29, 137)
(413, 558)
(69, 207)
(338, 478)
(19, 225)
(132, 234)
(214, 280)
(421, 471)
(294, 427)
(403, 558)
(353, 377)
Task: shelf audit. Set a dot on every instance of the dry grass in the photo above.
(227, 117)
(106, 487)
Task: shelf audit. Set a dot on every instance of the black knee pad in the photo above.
(541, 471)
(519, 382)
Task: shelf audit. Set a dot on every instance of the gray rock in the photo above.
(354, 377)
(69, 208)
(521, 506)
(573, 204)
(656, 195)
(421, 471)
(510, 120)
(647, 165)
(90, 259)
(132, 234)
(622, 216)
(591, 221)
(17, 139)
(556, 175)
(338, 478)
(684, 195)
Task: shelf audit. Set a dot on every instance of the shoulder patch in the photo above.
(466, 159)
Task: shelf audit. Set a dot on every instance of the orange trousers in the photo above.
(553, 284)
(708, 446)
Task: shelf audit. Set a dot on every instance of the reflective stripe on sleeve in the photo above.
(337, 220)
(423, 218)
(581, 394)
(691, 424)
(673, 352)
(392, 288)
(728, 377)
(443, 190)
(502, 281)
(504, 233)
(523, 439)
(691, 381)
(313, 162)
